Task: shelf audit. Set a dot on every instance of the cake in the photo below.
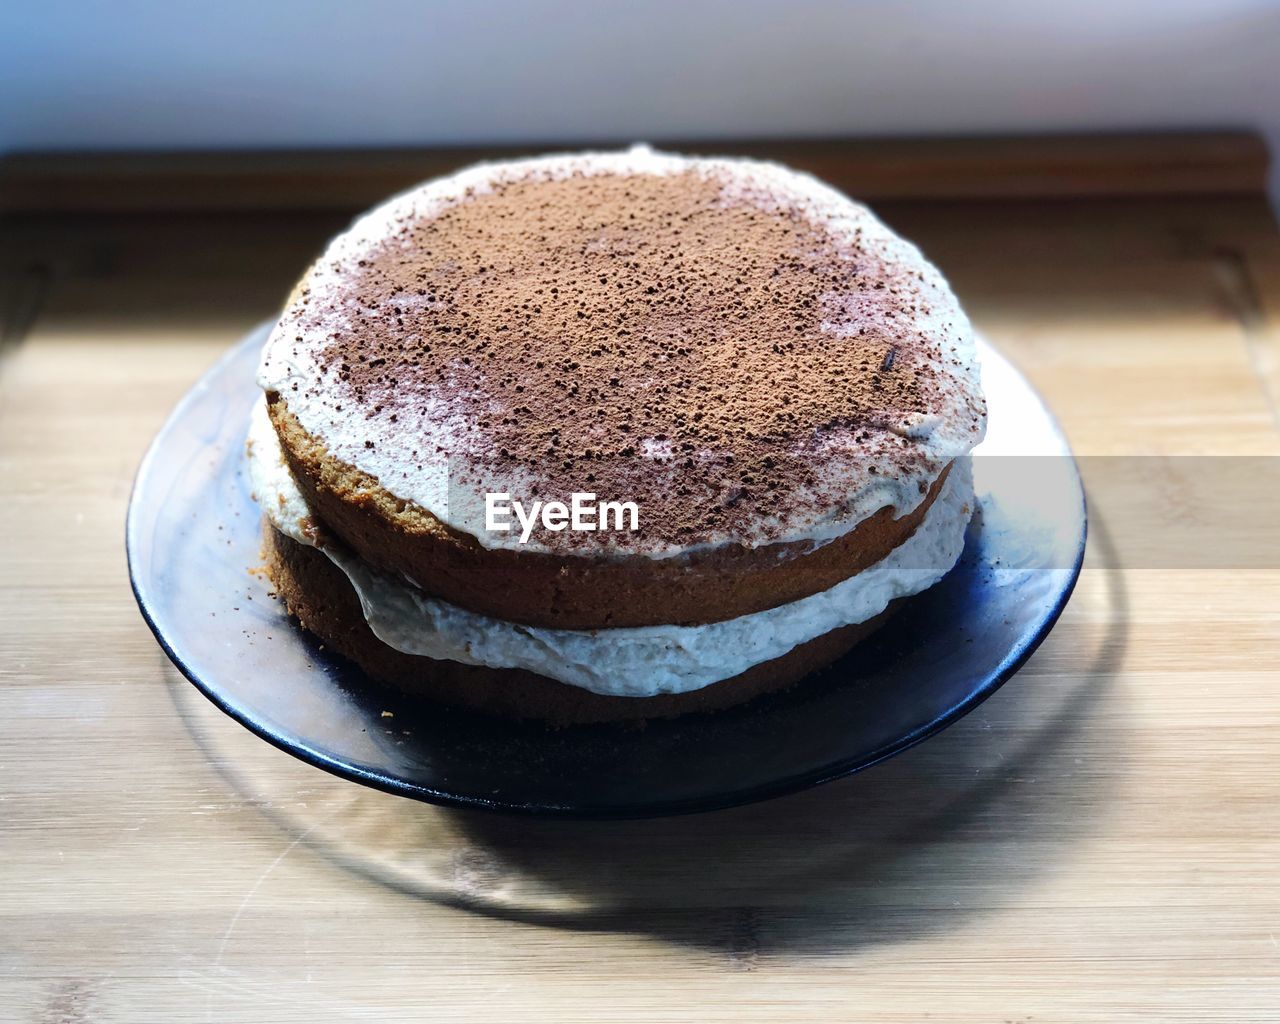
(611, 436)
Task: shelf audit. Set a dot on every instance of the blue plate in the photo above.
(193, 535)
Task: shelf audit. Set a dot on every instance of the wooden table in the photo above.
(1098, 842)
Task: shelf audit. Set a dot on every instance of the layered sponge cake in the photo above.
(613, 435)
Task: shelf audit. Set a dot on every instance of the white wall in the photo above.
(396, 72)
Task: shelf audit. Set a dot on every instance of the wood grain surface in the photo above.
(1216, 163)
(1099, 842)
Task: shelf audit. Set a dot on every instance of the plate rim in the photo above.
(1012, 662)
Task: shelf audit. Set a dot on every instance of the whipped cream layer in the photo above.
(630, 662)
(427, 448)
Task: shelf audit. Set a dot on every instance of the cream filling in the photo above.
(632, 662)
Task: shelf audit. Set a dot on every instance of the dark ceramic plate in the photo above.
(193, 534)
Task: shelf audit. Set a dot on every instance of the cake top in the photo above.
(746, 354)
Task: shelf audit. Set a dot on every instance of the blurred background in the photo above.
(400, 73)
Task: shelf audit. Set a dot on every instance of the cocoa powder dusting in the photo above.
(648, 338)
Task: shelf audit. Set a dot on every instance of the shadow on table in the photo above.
(956, 826)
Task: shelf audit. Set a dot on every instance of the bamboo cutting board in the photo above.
(1098, 842)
